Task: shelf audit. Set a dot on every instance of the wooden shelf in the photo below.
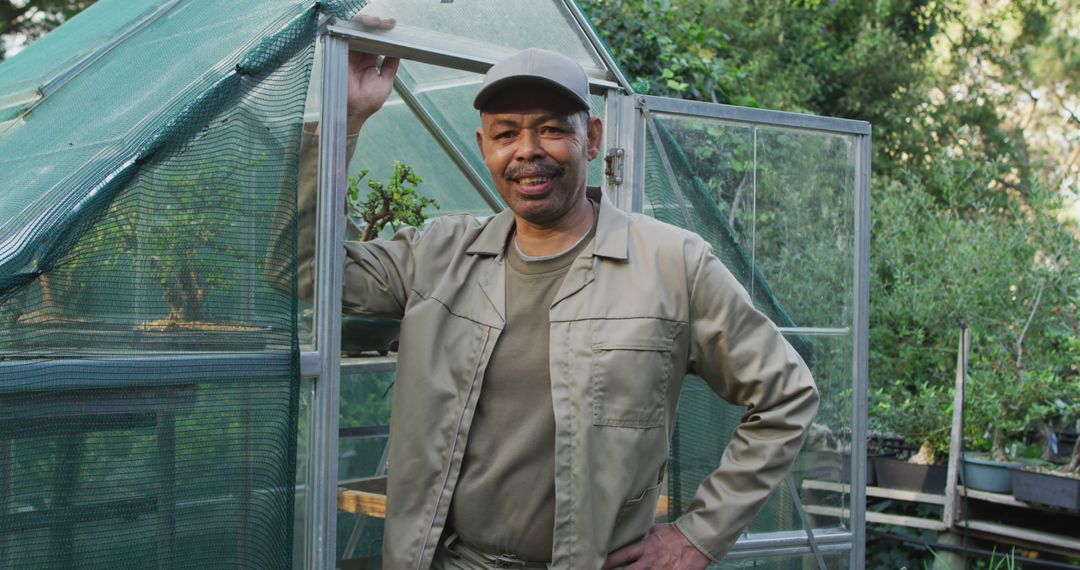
(370, 364)
(875, 517)
(1015, 534)
(363, 497)
(879, 492)
(999, 498)
(994, 531)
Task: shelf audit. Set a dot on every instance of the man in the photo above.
(543, 351)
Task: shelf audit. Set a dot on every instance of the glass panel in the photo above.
(491, 28)
(825, 461)
(396, 133)
(365, 403)
(706, 424)
(63, 48)
(152, 224)
(365, 421)
(804, 237)
(677, 192)
(146, 469)
(776, 204)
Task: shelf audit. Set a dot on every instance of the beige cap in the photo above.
(538, 67)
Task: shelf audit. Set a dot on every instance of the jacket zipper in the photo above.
(453, 449)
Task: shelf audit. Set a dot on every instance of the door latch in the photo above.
(613, 166)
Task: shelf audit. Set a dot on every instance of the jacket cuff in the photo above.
(703, 536)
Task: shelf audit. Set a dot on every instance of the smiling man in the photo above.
(543, 351)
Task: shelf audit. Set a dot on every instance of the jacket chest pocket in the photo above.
(630, 372)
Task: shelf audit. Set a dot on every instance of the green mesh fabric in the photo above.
(689, 205)
(26, 77)
(148, 368)
(705, 426)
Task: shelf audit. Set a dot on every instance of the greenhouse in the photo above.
(171, 397)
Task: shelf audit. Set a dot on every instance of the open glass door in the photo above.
(780, 197)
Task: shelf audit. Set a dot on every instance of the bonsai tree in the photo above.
(194, 241)
(921, 412)
(394, 203)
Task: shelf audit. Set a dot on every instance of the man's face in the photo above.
(538, 146)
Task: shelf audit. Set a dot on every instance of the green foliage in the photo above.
(667, 48)
(395, 202)
(970, 105)
(25, 20)
(920, 411)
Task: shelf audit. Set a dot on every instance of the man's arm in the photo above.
(368, 88)
(747, 361)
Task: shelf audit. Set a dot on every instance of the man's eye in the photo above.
(504, 134)
(554, 130)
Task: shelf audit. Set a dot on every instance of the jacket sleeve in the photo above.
(745, 360)
(376, 274)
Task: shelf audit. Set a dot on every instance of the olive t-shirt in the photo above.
(504, 502)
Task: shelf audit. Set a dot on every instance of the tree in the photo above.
(23, 21)
(974, 110)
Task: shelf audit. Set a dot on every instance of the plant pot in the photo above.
(368, 334)
(985, 474)
(834, 466)
(824, 465)
(899, 474)
(1046, 489)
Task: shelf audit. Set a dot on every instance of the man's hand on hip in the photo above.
(663, 547)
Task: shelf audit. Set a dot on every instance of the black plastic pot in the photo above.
(899, 474)
(368, 334)
(835, 466)
(1046, 489)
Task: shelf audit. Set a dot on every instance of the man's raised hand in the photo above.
(370, 84)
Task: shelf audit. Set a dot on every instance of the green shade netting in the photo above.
(148, 368)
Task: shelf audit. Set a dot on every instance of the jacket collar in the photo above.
(612, 227)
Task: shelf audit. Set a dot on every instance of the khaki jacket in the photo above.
(642, 306)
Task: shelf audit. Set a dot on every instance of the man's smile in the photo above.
(534, 182)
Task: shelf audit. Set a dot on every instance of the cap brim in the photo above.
(491, 90)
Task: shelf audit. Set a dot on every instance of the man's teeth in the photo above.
(534, 179)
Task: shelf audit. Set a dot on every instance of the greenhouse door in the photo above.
(783, 199)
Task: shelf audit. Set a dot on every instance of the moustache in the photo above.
(551, 170)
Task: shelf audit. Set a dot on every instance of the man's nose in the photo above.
(529, 147)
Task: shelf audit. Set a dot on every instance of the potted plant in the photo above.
(921, 412)
(1052, 484)
(194, 242)
(1048, 486)
(996, 407)
(393, 203)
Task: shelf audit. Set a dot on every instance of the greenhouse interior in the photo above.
(169, 394)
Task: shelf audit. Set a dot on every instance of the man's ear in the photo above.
(480, 141)
(596, 136)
